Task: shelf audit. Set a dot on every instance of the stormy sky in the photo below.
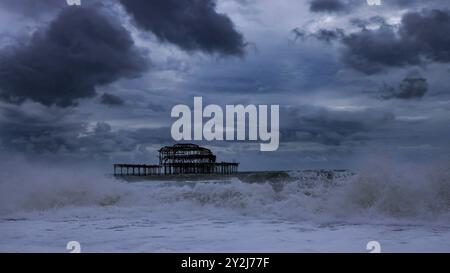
(96, 82)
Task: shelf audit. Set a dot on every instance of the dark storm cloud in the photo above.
(81, 49)
(413, 86)
(325, 35)
(327, 5)
(371, 51)
(421, 37)
(429, 32)
(329, 35)
(189, 24)
(330, 127)
(332, 5)
(111, 100)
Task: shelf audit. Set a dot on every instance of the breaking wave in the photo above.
(32, 186)
(404, 193)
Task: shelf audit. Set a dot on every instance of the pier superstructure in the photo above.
(179, 159)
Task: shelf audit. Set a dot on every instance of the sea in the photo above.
(399, 209)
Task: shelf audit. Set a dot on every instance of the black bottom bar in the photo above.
(224, 262)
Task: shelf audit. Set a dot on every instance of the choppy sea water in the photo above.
(305, 213)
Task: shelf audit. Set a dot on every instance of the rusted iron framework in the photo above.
(179, 159)
(185, 153)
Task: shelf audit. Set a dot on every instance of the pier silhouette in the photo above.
(179, 159)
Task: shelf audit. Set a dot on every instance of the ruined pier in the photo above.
(179, 159)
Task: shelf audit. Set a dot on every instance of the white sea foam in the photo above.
(406, 193)
(30, 186)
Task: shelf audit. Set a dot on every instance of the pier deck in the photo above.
(175, 168)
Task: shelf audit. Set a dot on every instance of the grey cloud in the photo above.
(325, 35)
(334, 5)
(371, 51)
(429, 32)
(39, 130)
(111, 100)
(364, 23)
(32, 8)
(189, 24)
(79, 50)
(329, 35)
(35, 129)
(420, 38)
(346, 6)
(327, 5)
(330, 127)
(416, 3)
(413, 86)
(157, 107)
